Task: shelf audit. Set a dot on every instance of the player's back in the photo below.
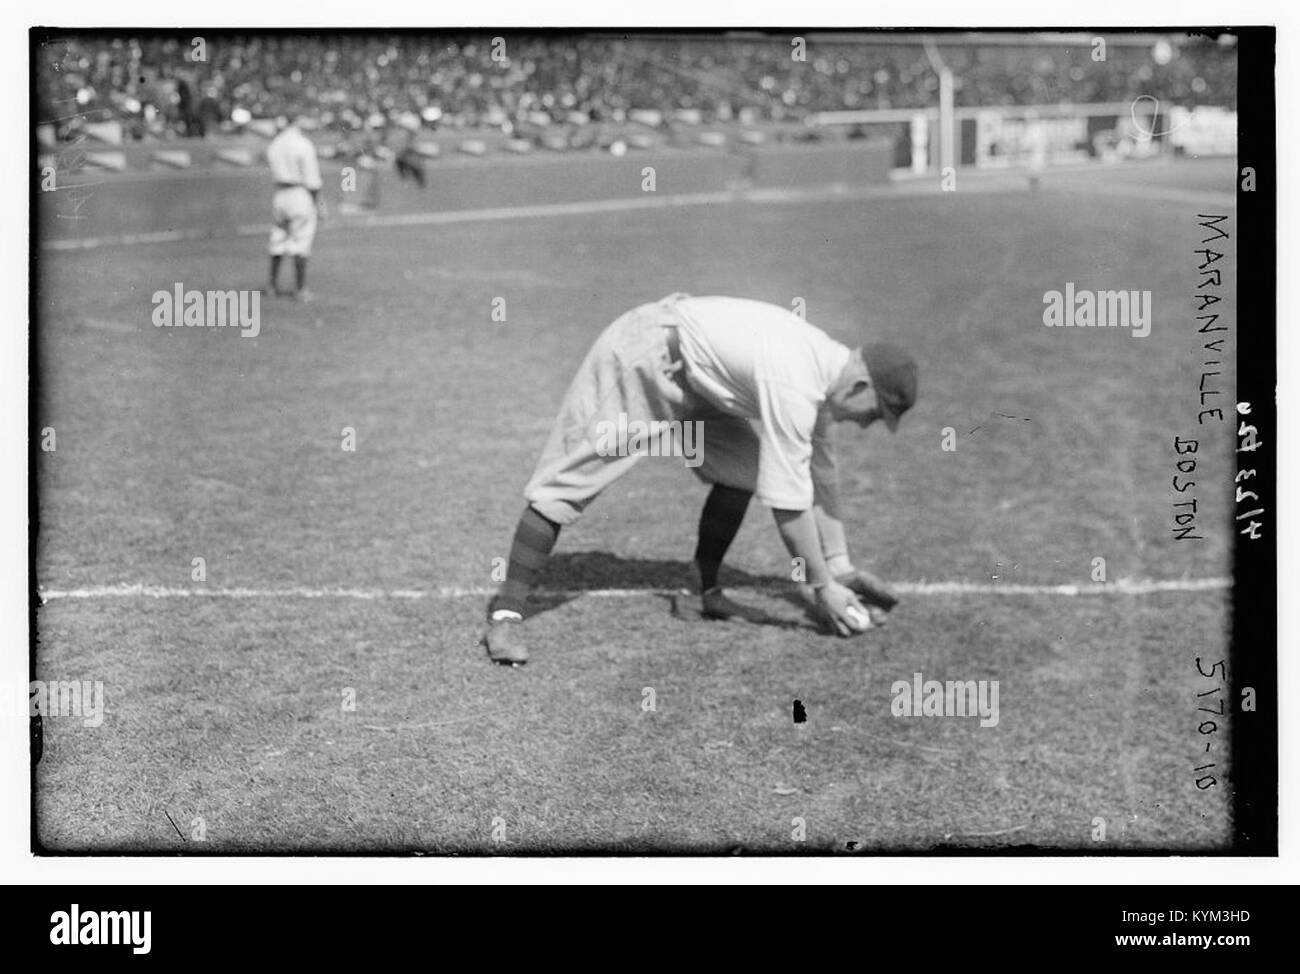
(292, 159)
(734, 345)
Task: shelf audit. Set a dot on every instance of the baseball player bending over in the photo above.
(296, 171)
(766, 386)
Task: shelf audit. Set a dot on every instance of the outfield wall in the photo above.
(89, 203)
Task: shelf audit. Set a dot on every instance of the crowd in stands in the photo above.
(163, 87)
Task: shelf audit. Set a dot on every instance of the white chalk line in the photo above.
(1126, 587)
(580, 208)
(1160, 194)
(998, 181)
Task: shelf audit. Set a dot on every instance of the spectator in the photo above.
(531, 82)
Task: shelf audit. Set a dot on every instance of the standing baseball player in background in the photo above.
(296, 173)
(766, 387)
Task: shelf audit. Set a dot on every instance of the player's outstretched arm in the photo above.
(835, 546)
(838, 604)
(874, 593)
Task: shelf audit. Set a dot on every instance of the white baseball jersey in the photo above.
(765, 364)
(296, 171)
(292, 158)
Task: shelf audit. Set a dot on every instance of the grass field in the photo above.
(176, 444)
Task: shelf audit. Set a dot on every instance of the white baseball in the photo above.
(858, 619)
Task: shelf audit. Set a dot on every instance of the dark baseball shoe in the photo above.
(504, 640)
(715, 604)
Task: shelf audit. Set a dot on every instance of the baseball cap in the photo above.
(893, 373)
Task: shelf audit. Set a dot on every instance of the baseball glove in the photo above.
(870, 589)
